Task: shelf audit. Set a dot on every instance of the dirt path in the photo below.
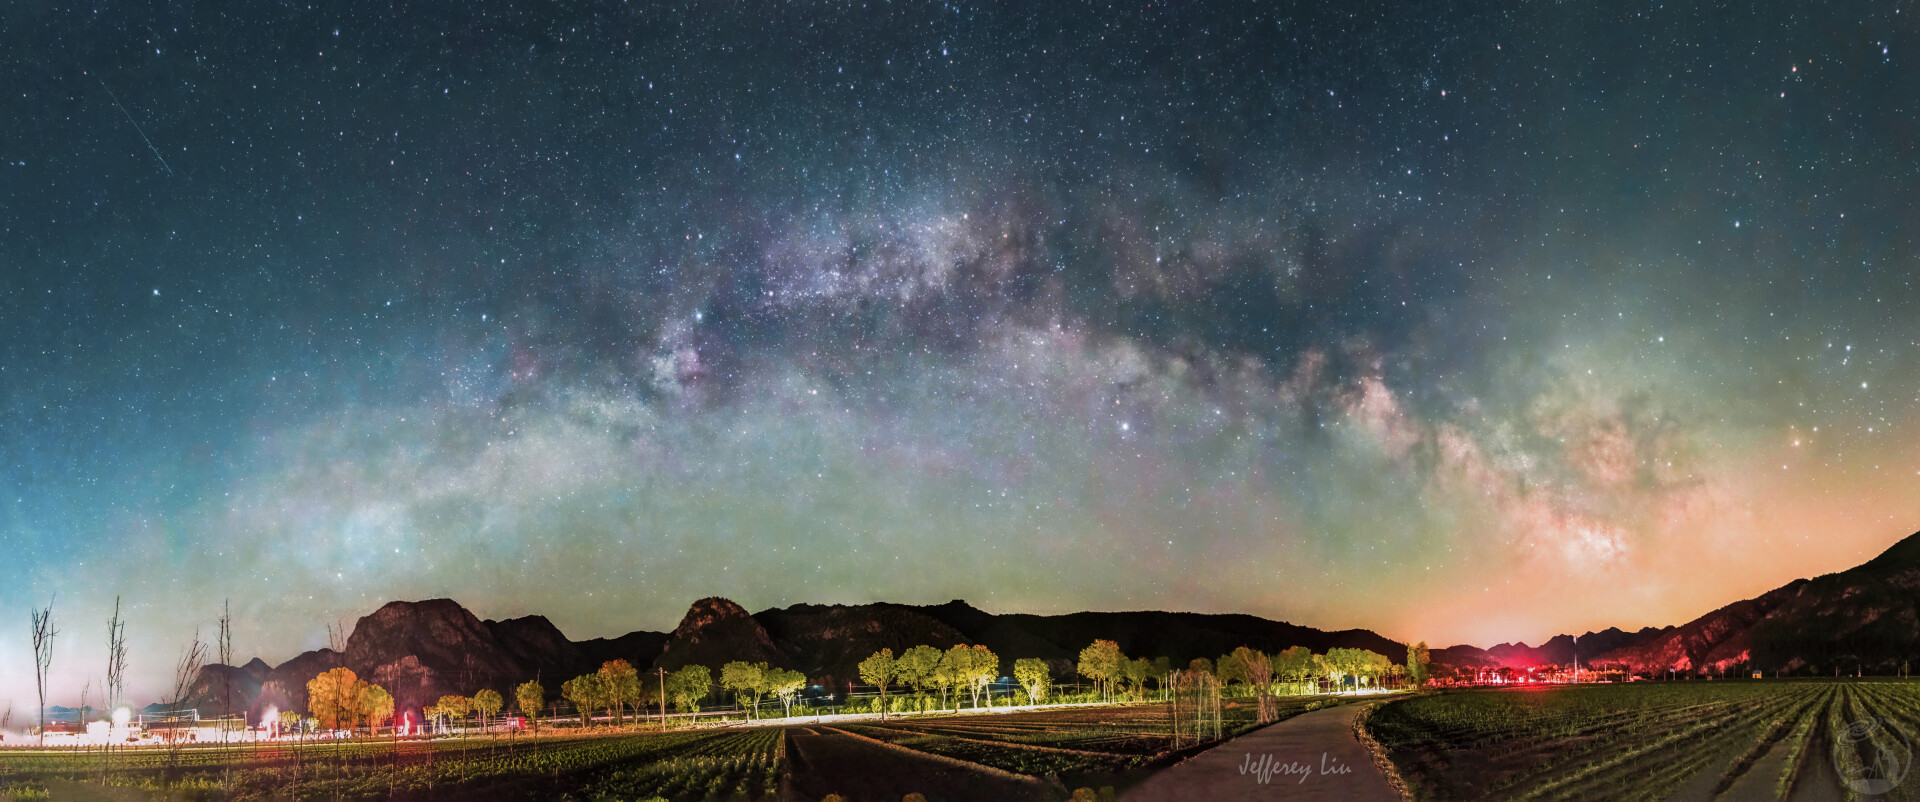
(829, 762)
(1310, 756)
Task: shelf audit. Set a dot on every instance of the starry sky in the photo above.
(1464, 324)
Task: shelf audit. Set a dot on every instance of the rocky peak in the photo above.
(707, 613)
(716, 631)
(439, 631)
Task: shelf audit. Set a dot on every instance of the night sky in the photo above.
(1462, 324)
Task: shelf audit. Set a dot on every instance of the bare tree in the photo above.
(43, 633)
(192, 658)
(116, 675)
(337, 637)
(226, 685)
(80, 715)
(116, 656)
(226, 655)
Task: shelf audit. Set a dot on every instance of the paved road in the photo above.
(1311, 756)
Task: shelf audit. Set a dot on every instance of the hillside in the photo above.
(422, 650)
(1865, 618)
(1560, 650)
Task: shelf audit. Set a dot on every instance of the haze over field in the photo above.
(1456, 325)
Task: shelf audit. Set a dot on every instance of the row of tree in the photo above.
(617, 688)
(340, 700)
(1113, 672)
(753, 681)
(613, 688)
(963, 667)
(975, 667)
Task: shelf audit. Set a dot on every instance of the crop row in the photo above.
(1589, 741)
(727, 764)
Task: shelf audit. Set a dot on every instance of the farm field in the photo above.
(727, 763)
(1040, 754)
(1765, 739)
(1027, 755)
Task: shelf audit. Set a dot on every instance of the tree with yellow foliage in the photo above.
(619, 686)
(376, 706)
(333, 697)
(487, 702)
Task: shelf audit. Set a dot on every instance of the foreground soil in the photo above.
(823, 760)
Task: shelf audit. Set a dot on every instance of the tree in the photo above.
(116, 656)
(1365, 666)
(43, 633)
(1358, 664)
(955, 671)
(1100, 662)
(1258, 668)
(454, 707)
(1200, 665)
(225, 646)
(1332, 665)
(1141, 672)
(653, 696)
(880, 669)
(585, 693)
(531, 696)
(1418, 664)
(948, 676)
(688, 686)
(1230, 669)
(487, 702)
(619, 685)
(116, 670)
(920, 667)
(977, 667)
(1033, 676)
(333, 697)
(376, 705)
(1295, 663)
(1127, 676)
(192, 658)
(746, 680)
(785, 684)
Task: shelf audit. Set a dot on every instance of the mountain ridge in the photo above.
(421, 650)
(1865, 618)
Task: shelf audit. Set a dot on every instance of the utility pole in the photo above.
(663, 698)
(1576, 659)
